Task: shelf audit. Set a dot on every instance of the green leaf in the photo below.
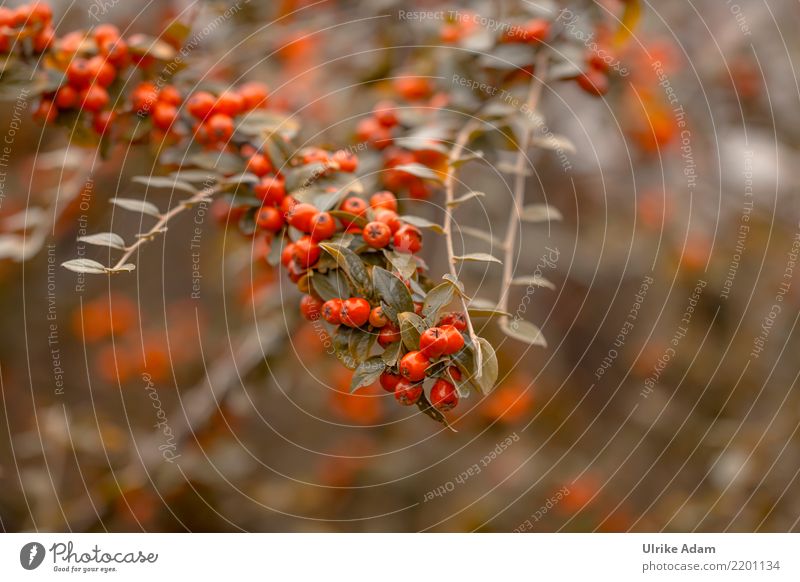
(359, 221)
(425, 406)
(423, 223)
(392, 290)
(419, 171)
(367, 373)
(164, 182)
(466, 158)
(533, 281)
(331, 285)
(489, 368)
(222, 162)
(391, 354)
(436, 299)
(479, 257)
(539, 213)
(341, 345)
(353, 266)
(137, 206)
(85, 266)
(196, 176)
(104, 239)
(304, 176)
(465, 197)
(361, 343)
(411, 328)
(403, 263)
(523, 331)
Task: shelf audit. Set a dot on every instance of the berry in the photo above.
(300, 216)
(310, 307)
(355, 312)
(377, 234)
(306, 251)
(455, 341)
(171, 95)
(296, 272)
(347, 161)
(377, 318)
(271, 190)
(433, 342)
(315, 155)
(408, 239)
(407, 393)
(115, 52)
(388, 335)
(269, 218)
(456, 319)
(332, 311)
(390, 381)
(66, 97)
(78, 73)
(287, 254)
(101, 71)
(354, 205)
(44, 39)
(371, 131)
(259, 165)
(253, 95)
(229, 103)
(164, 115)
(413, 366)
(46, 112)
(105, 32)
(390, 218)
(413, 88)
(102, 120)
(94, 98)
(455, 373)
(535, 31)
(444, 395)
(383, 199)
(200, 104)
(322, 226)
(287, 203)
(385, 114)
(593, 82)
(144, 97)
(220, 127)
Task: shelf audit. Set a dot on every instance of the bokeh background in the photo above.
(666, 399)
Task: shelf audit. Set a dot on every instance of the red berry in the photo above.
(332, 311)
(315, 155)
(46, 112)
(433, 342)
(200, 104)
(407, 393)
(229, 103)
(115, 51)
(413, 88)
(354, 205)
(455, 373)
(102, 120)
(385, 114)
(171, 95)
(269, 218)
(105, 32)
(259, 165)
(295, 271)
(455, 341)
(286, 204)
(253, 95)
(101, 71)
(220, 127)
(408, 239)
(287, 254)
(66, 97)
(164, 115)
(536, 30)
(383, 199)
(78, 73)
(310, 307)
(390, 218)
(322, 226)
(144, 97)
(347, 161)
(355, 312)
(377, 318)
(44, 39)
(300, 216)
(413, 366)
(371, 131)
(388, 335)
(94, 98)
(454, 318)
(306, 251)
(271, 190)
(377, 234)
(593, 82)
(444, 395)
(390, 381)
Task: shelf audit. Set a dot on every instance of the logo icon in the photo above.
(31, 555)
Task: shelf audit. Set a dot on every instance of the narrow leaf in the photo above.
(104, 239)
(367, 373)
(419, 171)
(480, 257)
(164, 182)
(420, 222)
(539, 213)
(533, 281)
(465, 197)
(524, 331)
(137, 206)
(85, 266)
(392, 290)
(437, 298)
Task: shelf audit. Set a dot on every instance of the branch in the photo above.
(449, 187)
(510, 243)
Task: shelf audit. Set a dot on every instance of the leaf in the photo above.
(403, 263)
(332, 285)
(341, 344)
(348, 217)
(222, 162)
(361, 343)
(85, 266)
(464, 198)
(391, 354)
(437, 298)
(556, 143)
(137, 206)
(392, 290)
(165, 182)
(425, 406)
(411, 328)
(533, 281)
(420, 222)
(104, 239)
(523, 331)
(481, 235)
(489, 367)
(539, 213)
(367, 373)
(480, 257)
(195, 176)
(419, 171)
(478, 155)
(353, 266)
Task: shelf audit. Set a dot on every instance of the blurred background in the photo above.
(190, 396)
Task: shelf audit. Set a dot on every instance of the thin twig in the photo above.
(510, 243)
(449, 188)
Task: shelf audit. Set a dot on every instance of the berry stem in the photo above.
(449, 188)
(510, 242)
(160, 226)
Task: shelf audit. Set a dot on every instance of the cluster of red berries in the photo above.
(29, 21)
